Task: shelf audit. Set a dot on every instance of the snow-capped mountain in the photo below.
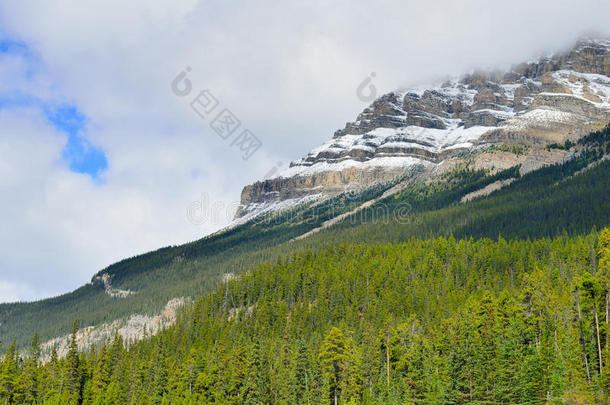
(438, 126)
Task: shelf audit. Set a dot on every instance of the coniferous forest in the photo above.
(425, 321)
(304, 202)
(571, 198)
(505, 299)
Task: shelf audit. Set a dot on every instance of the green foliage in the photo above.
(424, 321)
(333, 358)
(515, 149)
(73, 382)
(388, 308)
(546, 202)
(567, 145)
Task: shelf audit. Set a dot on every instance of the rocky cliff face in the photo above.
(551, 100)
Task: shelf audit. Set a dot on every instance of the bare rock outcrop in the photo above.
(553, 99)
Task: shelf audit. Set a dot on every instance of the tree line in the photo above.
(424, 321)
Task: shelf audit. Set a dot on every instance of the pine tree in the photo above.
(159, 383)
(371, 360)
(31, 387)
(73, 380)
(8, 374)
(237, 373)
(54, 378)
(101, 372)
(300, 377)
(352, 382)
(333, 354)
(603, 272)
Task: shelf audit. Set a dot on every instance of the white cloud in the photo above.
(288, 70)
(12, 292)
(59, 227)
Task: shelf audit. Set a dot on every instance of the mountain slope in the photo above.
(423, 321)
(422, 198)
(571, 198)
(535, 104)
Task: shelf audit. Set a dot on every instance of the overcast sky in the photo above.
(100, 160)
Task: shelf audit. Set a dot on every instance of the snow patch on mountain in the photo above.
(380, 162)
(547, 100)
(272, 207)
(379, 142)
(592, 87)
(542, 117)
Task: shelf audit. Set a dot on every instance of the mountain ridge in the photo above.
(433, 191)
(535, 104)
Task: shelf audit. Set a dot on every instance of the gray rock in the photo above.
(477, 99)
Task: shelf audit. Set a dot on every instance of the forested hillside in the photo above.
(572, 198)
(175, 271)
(384, 203)
(425, 321)
(348, 318)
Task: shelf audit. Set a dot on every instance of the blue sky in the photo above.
(13, 47)
(79, 154)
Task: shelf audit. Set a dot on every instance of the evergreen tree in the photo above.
(300, 378)
(8, 374)
(333, 354)
(73, 374)
(434, 321)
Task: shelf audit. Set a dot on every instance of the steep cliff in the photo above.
(461, 121)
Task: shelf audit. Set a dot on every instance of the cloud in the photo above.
(12, 292)
(289, 72)
(80, 154)
(60, 226)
